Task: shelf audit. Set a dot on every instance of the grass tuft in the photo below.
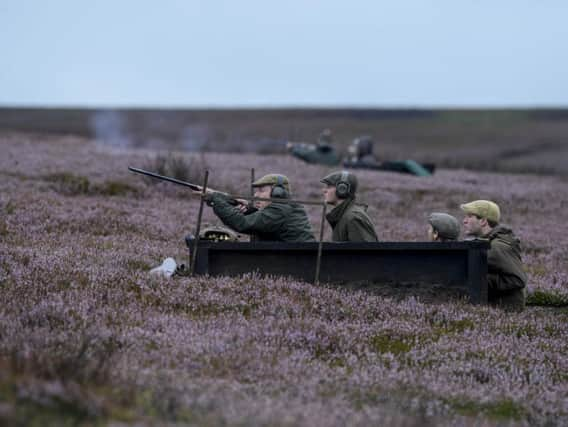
(10, 208)
(114, 188)
(498, 411)
(191, 169)
(3, 228)
(68, 183)
(386, 344)
(548, 299)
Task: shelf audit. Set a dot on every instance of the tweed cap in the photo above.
(447, 226)
(483, 209)
(273, 179)
(334, 177)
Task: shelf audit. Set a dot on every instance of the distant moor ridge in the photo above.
(519, 141)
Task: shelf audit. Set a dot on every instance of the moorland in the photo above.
(88, 337)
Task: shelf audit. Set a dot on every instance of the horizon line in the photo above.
(253, 107)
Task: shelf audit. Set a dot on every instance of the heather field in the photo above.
(88, 337)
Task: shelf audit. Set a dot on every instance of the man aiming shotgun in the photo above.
(271, 218)
(274, 217)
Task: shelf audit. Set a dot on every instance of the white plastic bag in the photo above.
(167, 268)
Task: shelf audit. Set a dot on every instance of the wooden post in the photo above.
(320, 243)
(198, 227)
(252, 237)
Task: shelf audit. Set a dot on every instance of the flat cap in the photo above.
(447, 226)
(334, 177)
(483, 209)
(273, 179)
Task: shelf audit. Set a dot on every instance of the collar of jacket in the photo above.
(334, 216)
(498, 231)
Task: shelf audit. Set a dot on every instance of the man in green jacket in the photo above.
(349, 221)
(268, 220)
(506, 278)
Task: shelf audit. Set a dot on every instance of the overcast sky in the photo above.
(174, 53)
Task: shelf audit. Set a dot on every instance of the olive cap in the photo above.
(273, 179)
(483, 209)
(334, 177)
(447, 226)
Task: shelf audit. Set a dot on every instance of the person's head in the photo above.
(271, 186)
(325, 137)
(443, 227)
(361, 146)
(339, 186)
(480, 217)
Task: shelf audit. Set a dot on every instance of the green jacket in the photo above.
(351, 223)
(323, 154)
(278, 222)
(506, 279)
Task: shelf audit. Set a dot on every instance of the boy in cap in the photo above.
(268, 220)
(349, 221)
(443, 227)
(506, 279)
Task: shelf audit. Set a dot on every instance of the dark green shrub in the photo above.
(184, 168)
(114, 188)
(547, 299)
(68, 183)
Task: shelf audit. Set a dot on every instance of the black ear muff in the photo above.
(278, 190)
(343, 188)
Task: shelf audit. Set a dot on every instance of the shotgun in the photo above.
(197, 189)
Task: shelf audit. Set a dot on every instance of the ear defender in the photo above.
(343, 188)
(278, 190)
